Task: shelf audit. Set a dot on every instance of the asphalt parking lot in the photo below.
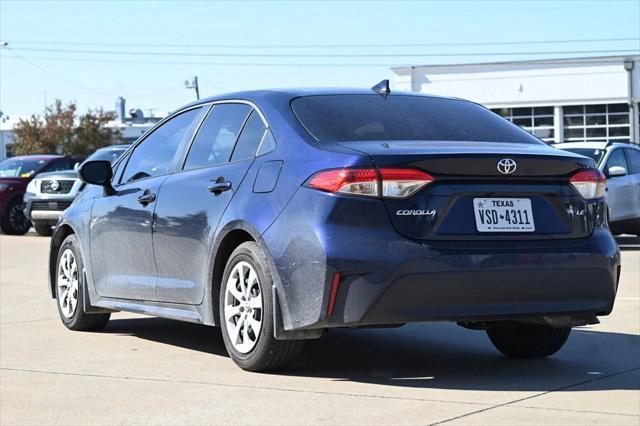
(145, 370)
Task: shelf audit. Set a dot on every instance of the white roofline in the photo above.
(617, 59)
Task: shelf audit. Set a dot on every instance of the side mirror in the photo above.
(616, 171)
(97, 173)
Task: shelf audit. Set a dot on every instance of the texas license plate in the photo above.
(503, 215)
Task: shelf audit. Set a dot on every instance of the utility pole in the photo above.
(193, 85)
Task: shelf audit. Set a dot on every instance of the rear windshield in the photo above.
(341, 118)
(595, 154)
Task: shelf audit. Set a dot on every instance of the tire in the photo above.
(251, 299)
(43, 230)
(69, 277)
(518, 340)
(13, 221)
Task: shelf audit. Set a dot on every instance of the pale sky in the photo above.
(92, 52)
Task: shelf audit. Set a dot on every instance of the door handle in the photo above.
(218, 188)
(147, 198)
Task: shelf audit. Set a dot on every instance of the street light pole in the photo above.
(193, 85)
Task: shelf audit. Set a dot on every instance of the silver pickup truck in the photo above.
(49, 194)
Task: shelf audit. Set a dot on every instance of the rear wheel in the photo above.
(519, 340)
(246, 313)
(43, 230)
(70, 288)
(13, 220)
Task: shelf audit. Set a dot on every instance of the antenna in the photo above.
(382, 88)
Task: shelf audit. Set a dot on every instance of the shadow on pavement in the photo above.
(628, 242)
(435, 355)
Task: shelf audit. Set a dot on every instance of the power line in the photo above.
(79, 86)
(564, 61)
(321, 46)
(322, 55)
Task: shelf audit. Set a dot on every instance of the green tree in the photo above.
(61, 131)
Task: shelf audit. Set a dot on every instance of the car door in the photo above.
(618, 187)
(122, 258)
(193, 201)
(633, 160)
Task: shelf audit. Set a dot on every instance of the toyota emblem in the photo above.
(506, 166)
(55, 185)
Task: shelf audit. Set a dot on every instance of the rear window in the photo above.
(341, 118)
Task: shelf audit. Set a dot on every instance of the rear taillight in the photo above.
(589, 183)
(391, 183)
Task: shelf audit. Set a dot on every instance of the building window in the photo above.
(605, 123)
(536, 120)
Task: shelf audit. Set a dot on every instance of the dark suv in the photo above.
(15, 175)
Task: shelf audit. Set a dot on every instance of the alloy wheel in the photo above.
(243, 307)
(68, 283)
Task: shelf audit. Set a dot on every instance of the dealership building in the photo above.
(584, 99)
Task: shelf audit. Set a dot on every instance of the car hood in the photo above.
(64, 174)
(14, 180)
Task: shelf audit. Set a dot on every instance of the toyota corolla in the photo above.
(279, 215)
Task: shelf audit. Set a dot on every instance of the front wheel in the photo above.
(246, 313)
(518, 340)
(13, 220)
(70, 288)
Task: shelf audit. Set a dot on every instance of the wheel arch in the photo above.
(231, 236)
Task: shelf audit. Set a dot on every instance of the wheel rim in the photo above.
(17, 219)
(243, 307)
(68, 283)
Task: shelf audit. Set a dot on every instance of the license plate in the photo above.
(503, 215)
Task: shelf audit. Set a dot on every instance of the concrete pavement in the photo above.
(145, 370)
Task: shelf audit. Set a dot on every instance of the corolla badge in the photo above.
(415, 213)
(506, 166)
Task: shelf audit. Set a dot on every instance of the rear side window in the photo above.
(341, 118)
(217, 136)
(155, 154)
(633, 156)
(249, 139)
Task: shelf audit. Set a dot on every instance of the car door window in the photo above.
(617, 159)
(249, 140)
(217, 136)
(155, 154)
(633, 157)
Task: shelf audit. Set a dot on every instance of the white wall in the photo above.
(523, 84)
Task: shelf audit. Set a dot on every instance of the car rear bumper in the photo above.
(387, 279)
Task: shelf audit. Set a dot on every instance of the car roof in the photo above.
(257, 95)
(118, 146)
(36, 157)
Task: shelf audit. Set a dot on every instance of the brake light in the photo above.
(391, 183)
(589, 183)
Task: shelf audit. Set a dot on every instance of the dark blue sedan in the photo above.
(278, 215)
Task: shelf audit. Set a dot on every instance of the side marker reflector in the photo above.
(335, 285)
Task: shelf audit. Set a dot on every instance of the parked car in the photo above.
(15, 174)
(620, 163)
(49, 194)
(279, 215)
